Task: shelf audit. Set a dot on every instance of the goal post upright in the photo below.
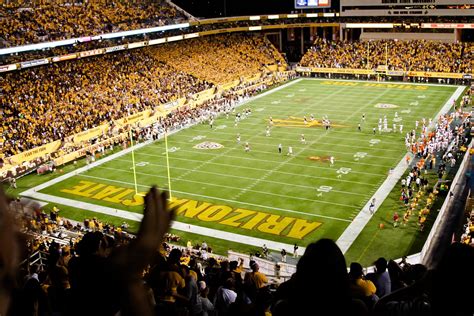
(168, 164)
(133, 162)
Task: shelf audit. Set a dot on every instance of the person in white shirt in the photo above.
(225, 296)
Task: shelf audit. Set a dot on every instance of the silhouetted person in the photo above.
(320, 285)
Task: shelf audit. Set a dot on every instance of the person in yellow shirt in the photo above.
(255, 279)
(360, 287)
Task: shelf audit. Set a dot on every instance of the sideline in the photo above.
(354, 229)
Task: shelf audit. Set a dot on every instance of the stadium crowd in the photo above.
(50, 103)
(198, 57)
(117, 136)
(415, 55)
(27, 22)
(101, 273)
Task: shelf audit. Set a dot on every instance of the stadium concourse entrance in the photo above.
(294, 42)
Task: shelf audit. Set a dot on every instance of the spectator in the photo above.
(225, 296)
(55, 20)
(207, 306)
(435, 293)
(361, 288)
(254, 281)
(321, 282)
(380, 278)
(413, 55)
(283, 255)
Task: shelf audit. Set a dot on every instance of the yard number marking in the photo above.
(359, 155)
(199, 137)
(172, 150)
(344, 170)
(323, 189)
(374, 141)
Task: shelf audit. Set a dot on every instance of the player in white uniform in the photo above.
(372, 206)
(267, 133)
(401, 128)
(290, 151)
(331, 160)
(238, 138)
(247, 147)
(303, 140)
(271, 120)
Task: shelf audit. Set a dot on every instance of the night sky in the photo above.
(221, 8)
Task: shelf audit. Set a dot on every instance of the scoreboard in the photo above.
(312, 4)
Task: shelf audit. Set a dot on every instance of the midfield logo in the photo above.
(293, 121)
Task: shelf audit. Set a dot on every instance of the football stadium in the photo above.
(236, 158)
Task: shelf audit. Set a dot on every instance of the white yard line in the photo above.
(281, 131)
(262, 160)
(189, 228)
(358, 224)
(227, 175)
(237, 188)
(303, 148)
(225, 200)
(252, 168)
(291, 140)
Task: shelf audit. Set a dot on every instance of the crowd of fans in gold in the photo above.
(43, 104)
(32, 22)
(223, 60)
(415, 55)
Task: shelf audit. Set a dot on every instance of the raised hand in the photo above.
(129, 261)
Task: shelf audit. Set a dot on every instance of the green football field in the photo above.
(242, 199)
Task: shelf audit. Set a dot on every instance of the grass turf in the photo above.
(285, 188)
